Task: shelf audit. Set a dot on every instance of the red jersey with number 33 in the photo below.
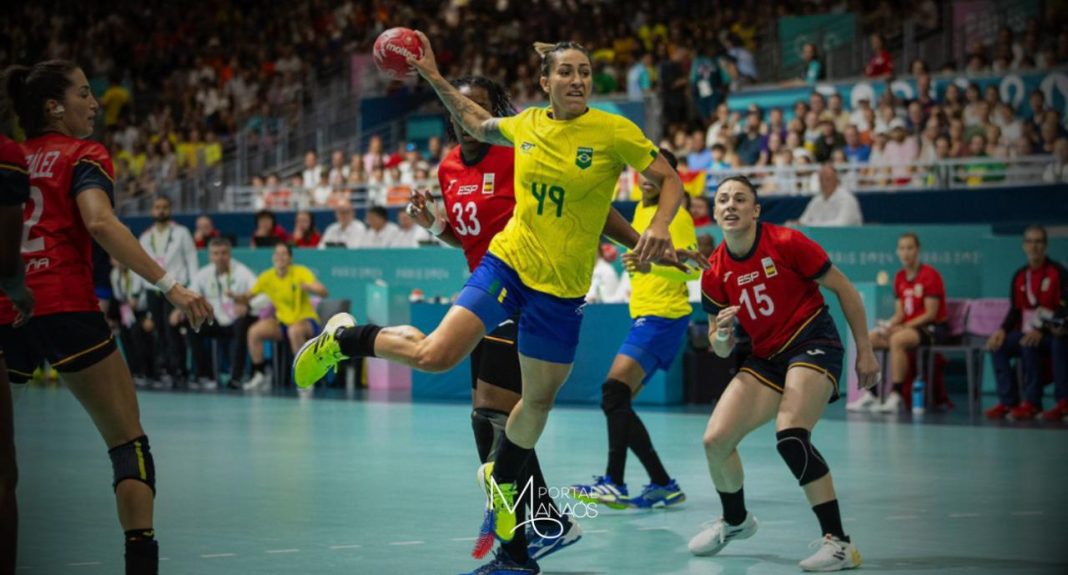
(479, 198)
(56, 247)
(913, 293)
(774, 284)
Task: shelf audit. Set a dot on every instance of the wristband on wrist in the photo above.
(437, 227)
(165, 283)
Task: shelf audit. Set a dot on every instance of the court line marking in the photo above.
(274, 551)
(595, 531)
(652, 529)
(406, 542)
(83, 564)
(960, 515)
(217, 555)
(1028, 513)
(345, 546)
(901, 517)
(465, 539)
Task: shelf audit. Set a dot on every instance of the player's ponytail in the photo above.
(29, 88)
(548, 52)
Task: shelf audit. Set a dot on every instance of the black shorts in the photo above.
(816, 347)
(496, 358)
(933, 333)
(69, 342)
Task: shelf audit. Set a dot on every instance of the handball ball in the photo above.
(392, 50)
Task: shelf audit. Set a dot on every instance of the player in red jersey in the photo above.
(14, 189)
(70, 205)
(919, 319)
(766, 279)
(478, 197)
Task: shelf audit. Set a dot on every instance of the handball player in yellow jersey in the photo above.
(568, 158)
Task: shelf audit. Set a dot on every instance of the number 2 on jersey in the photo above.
(765, 306)
(37, 244)
(470, 228)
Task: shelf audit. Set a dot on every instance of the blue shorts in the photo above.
(548, 325)
(654, 342)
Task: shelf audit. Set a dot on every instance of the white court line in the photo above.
(1028, 513)
(467, 538)
(217, 555)
(344, 546)
(595, 531)
(275, 551)
(960, 515)
(406, 543)
(901, 517)
(651, 529)
(83, 564)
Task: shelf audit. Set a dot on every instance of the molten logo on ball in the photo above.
(392, 50)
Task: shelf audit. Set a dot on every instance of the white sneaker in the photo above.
(720, 533)
(833, 555)
(892, 404)
(207, 383)
(863, 403)
(257, 381)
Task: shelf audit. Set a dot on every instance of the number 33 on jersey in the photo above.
(479, 197)
(774, 284)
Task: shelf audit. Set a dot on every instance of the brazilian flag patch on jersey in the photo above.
(584, 158)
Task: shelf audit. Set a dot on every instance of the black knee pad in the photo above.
(133, 460)
(488, 425)
(615, 396)
(806, 463)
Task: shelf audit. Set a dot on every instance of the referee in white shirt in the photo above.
(171, 245)
(218, 282)
(834, 205)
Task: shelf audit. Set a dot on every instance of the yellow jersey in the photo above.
(565, 175)
(662, 292)
(291, 303)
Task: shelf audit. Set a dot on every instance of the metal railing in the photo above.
(984, 172)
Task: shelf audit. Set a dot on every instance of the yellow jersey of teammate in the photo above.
(565, 176)
(291, 302)
(662, 292)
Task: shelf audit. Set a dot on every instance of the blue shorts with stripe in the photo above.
(654, 342)
(548, 325)
(816, 346)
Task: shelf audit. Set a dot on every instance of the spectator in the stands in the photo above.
(268, 231)
(747, 144)
(814, 71)
(829, 140)
(409, 234)
(699, 211)
(1033, 330)
(900, 153)
(856, 152)
(837, 113)
(775, 125)
(929, 142)
(375, 156)
(320, 194)
(204, 231)
(639, 77)
(744, 58)
(339, 172)
(699, 157)
(881, 64)
(380, 233)
(1004, 118)
(305, 234)
(311, 173)
(346, 231)
(859, 117)
(1037, 102)
(834, 205)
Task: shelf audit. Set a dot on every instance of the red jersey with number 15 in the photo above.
(56, 247)
(774, 284)
(479, 198)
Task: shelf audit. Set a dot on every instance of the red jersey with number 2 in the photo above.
(774, 284)
(479, 198)
(914, 292)
(56, 247)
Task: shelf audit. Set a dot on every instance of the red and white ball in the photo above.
(392, 50)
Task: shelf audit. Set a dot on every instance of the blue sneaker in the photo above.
(502, 564)
(654, 495)
(550, 540)
(602, 490)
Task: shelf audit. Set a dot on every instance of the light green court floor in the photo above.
(286, 485)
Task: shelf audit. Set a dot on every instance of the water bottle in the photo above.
(918, 396)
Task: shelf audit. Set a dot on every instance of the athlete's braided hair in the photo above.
(500, 102)
(548, 53)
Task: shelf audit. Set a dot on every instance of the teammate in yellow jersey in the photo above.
(568, 158)
(660, 307)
